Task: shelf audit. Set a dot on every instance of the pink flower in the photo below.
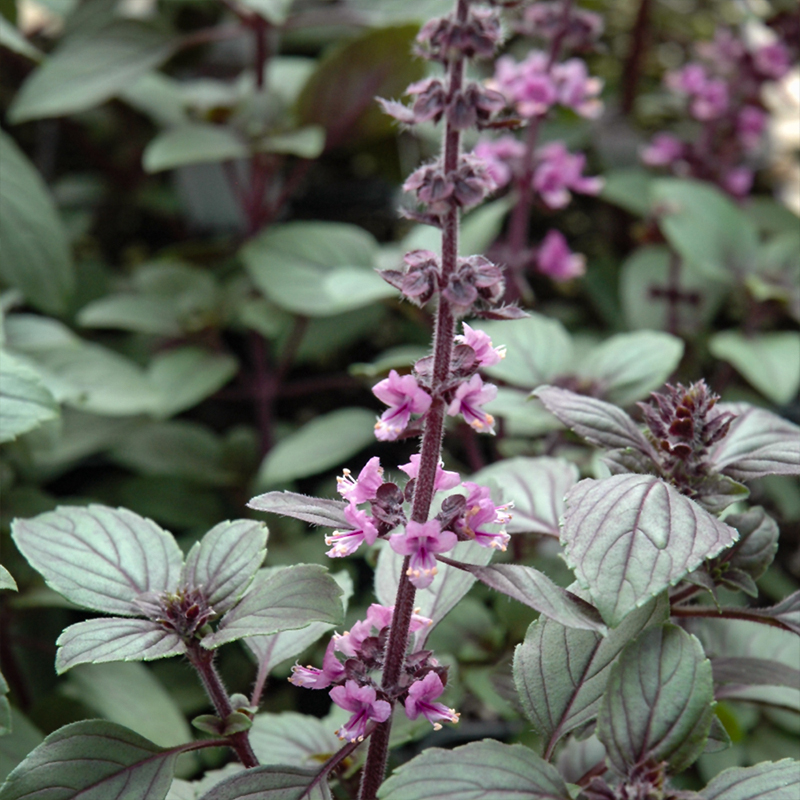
(420, 695)
(738, 181)
(527, 84)
(404, 397)
(577, 89)
(663, 149)
(711, 102)
(469, 398)
(313, 678)
(485, 354)
(558, 171)
(363, 702)
(499, 157)
(750, 124)
(444, 478)
(689, 80)
(344, 543)
(555, 259)
(772, 60)
(365, 487)
(480, 511)
(421, 541)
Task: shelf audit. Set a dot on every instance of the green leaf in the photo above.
(482, 226)
(630, 365)
(225, 560)
(306, 142)
(185, 376)
(769, 361)
(94, 759)
(758, 541)
(78, 373)
(98, 641)
(314, 510)
(766, 781)
(24, 401)
(340, 94)
(130, 695)
(271, 783)
(274, 11)
(705, 227)
(629, 537)
(485, 770)
(316, 268)
(658, 703)
(179, 449)
(628, 188)
(281, 600)
(98, 557)
(90, 66)
(34, 251)
(195, 143)
(533, 588)
(279, 647)
(7, 580)
(536, 487)
(14, 746)
(539, 348)
(5, 709)
(758, 443)
(561, 673)
(323, 443)
(648, 269)
(11, 38)
(296, 740)
(132, 312)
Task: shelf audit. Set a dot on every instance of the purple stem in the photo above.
(430, 450)
(203, 662)
(730, 613)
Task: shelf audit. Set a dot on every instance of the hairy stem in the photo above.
(430, 449)
(203, 662)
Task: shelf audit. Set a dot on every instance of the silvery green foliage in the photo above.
(114, 561)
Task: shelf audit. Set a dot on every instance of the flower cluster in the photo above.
(547, 174)
(683, 423)
(722, 93)
(466, 394)
(351, 659)
(462, 518)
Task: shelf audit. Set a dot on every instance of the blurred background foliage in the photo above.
(195, 195)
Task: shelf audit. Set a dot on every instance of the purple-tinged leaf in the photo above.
(314, 510)
(225, 561)
(769, 780)
(579, 756)
(95, 760)
(743, 639)
(98, 557)
(281, 600)
(600, 423)
(561, 673)
(658, 702)
(271, 783)
(716, 492)
(115, 639)
(629, 537)
(754, 672)
(787, 612)
(758, 443)
(275, 648)
(536, 486)
(449, 586)
(296, 740)
(534, 589)
(758, 541)
(485, 770)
